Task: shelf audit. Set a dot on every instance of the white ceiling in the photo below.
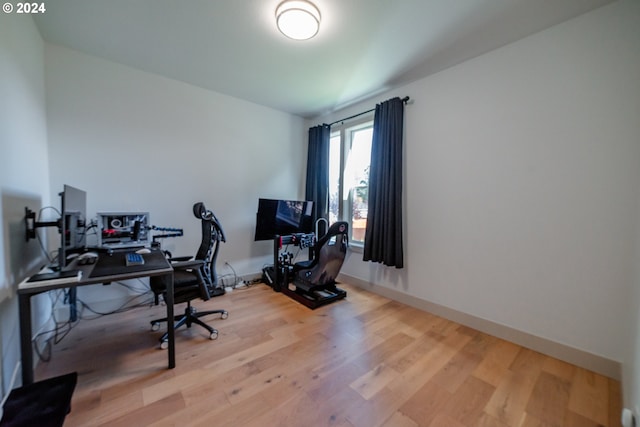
(232, 46)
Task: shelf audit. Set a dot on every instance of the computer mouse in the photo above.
(88, 255)
(143, 251)
(87, 258)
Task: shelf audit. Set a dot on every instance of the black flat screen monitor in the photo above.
(22, 257)
(282, 217)
(72, 222)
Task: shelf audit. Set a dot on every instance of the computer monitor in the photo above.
(72, 223)
(124, 229)
(22, 256)
(282, 217)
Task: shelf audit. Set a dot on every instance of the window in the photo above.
(349, 160)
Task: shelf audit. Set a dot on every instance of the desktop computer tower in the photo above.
(123, 229)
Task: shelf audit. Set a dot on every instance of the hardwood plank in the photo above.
(486, 420)
(508, 402)
(324, 386)
(549, 399)
(531, 421)
(589, 396)
(615, 402)
(528, 363)
(457, 370)
(374, 380)
(496, 361)
(295, 411)
(410, 381)
(424, 405)
(240, 414)
(412, 354)
(576, 420)
(559, 368)
(372, 412)
(398, 419)
(444, 420)
(467, 404)
(194, 410)
(148, 414)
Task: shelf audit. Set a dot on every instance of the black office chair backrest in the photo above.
(329, 255)
(212, 235)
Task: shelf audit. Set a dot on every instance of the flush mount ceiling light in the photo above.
(298, 19)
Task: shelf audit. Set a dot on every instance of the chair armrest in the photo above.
(194, 267)
(187, 265)
(180, 258)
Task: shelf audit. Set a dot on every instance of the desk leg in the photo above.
(170, 323)
(24, 306)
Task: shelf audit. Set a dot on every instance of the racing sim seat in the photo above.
(194, 277)
(315, 280)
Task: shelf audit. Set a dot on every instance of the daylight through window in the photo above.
(349, 160)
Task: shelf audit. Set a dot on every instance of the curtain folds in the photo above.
(317, 184)
(383, 236)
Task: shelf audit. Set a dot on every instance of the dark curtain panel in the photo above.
(317, 187)
(383, 237)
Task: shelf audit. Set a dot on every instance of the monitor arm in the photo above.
(31, 224)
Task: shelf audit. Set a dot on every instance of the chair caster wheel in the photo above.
(213, 335)
(164, 345)
(155, 326)
(224, 315)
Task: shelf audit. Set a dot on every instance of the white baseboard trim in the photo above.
(581, 358)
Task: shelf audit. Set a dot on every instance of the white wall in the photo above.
(23, 159)
(521, 174)
(631, 366)
(140, 142)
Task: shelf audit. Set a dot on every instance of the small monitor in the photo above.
(282, 217)
(124, 229)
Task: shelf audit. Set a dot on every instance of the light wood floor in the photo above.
(365, 361)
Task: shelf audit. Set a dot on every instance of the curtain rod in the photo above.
(404, 100)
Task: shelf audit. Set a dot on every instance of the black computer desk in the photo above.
(108, 268)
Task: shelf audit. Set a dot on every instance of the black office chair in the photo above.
(194, 277)
(317, 276)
